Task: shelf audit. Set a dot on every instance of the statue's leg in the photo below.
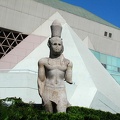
(48, 107)
(61, 107)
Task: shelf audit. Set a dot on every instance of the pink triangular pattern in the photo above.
(21, 51)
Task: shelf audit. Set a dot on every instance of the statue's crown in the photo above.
(56, 29)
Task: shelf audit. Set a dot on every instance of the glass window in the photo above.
(115, 69)
(9, 39)
(104, 65)
(118, 69)
(105, 33)
(114, 61)
(112, 68)
(97, 55)
(118, 62)
(109, 60)
(110, 35)
(117, 78)
(103, 58)
(109, 67)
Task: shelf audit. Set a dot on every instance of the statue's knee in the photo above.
(48, 107)
(61, 108)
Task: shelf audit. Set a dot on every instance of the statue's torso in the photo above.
(55, 72)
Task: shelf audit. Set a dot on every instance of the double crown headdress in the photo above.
(56, 29)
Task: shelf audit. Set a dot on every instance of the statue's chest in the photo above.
(55, 65)
(55, 62)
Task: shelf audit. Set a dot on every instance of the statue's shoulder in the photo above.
(68, 62)
(43, 60)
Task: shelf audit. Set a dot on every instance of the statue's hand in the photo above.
(70, 82)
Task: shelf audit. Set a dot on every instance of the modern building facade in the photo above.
(90, 42)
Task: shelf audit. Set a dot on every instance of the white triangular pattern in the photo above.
(102, 79)
(88, 43)
(89, 75)
(44, 29)
(81, 75)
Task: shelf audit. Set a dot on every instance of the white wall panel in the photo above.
(18, 5)
(30, 20)
(81, 23)
(19, 84)
(39, 10)
(9, 18)
(76, 22)
(70, 19)
(26, 21)
(1, 9)
(26, 6)
(63, 13)
(38, 22)
(3, 15)
(46, 12)
(11, 4)
(116, 35)
(0, 2)
(17, 21)
(32, 8)
(100, 30)
(103, 103)
(23, 22)
(96, 29)
(95, 40)
(52, 10)
(3, 2)
(80, 33)
(88, 26)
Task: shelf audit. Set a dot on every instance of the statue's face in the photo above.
(56, 46)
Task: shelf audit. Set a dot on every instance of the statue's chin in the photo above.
(57, 53)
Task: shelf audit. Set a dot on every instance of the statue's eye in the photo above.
(59, 44)
(55, 44)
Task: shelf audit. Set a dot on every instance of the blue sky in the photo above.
(108, 10)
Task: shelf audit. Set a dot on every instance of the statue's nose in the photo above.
(57, 45)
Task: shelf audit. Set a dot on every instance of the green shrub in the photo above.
(91, 117)
(94, 114)
(16, 109)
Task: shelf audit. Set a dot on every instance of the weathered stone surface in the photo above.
(53, 71)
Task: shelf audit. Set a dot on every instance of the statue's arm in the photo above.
(68, 74)
(41, 77)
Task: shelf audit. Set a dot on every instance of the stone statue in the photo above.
(53, 71)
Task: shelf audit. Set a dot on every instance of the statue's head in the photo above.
(55, 42)
(56, 46)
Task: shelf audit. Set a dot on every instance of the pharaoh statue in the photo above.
(53, 71)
